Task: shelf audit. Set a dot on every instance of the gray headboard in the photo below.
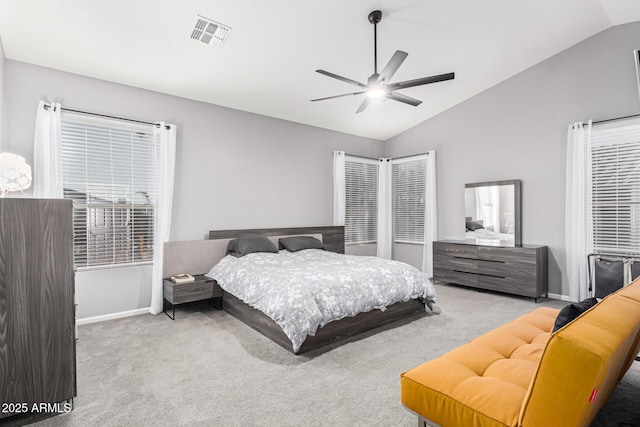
(198, 256)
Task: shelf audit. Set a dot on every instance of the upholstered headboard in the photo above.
(198, 256)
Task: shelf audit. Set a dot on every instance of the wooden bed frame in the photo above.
(333, 238)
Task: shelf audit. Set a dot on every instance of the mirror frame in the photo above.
(517, 199)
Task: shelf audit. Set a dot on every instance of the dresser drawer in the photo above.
(457, 277)
(526, 288)
(455, 250)
(520, 269)
(507, 254)
(449, 262)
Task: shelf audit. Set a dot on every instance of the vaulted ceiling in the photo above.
(267, 63)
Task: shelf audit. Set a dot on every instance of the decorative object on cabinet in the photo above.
(37, 309)
(515, 270)
(15, 173)
(496, 206)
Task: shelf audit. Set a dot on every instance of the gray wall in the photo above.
(3, 101)
(233, 169)
(518, 129)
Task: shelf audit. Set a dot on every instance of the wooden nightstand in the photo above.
(203, 288)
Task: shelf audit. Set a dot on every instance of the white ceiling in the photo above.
(267, 64)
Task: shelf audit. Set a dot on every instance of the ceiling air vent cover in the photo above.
(209, 32)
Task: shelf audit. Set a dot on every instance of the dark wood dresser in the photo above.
(37, 309)
(515, 270)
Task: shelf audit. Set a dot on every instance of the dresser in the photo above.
(37, 310)
(519, 270)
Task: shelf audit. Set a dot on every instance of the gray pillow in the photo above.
(473, 226)
(570, 312)
(298, 243)
(247, 245)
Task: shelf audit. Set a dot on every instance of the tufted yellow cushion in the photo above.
(484, 382)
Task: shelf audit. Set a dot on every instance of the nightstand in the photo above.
(203, 288)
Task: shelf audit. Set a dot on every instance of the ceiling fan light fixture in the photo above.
(376, 93)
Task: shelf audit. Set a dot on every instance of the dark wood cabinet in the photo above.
(37, 309)
(518, 270)
(202, 288)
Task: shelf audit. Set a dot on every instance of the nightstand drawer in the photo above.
(188, 292)
(194, 291)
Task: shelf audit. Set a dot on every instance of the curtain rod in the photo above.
(361, 157)
(614, 119)
(47, 106)
(411, 155)
(394, 158)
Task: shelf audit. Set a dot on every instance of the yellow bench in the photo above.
(522, 374)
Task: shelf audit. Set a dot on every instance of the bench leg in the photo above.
(423, 422)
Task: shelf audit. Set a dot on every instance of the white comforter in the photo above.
(304, 290)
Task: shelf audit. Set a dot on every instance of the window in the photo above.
(615, 188)
(409, 186)
(361, 190)
(109, 173)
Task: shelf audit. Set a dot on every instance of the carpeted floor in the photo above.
(208, 369)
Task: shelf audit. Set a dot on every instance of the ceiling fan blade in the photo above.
(337, 96)
(342, 79)
(364, 105)
(392, 66)
(404, 98)
(421, 81)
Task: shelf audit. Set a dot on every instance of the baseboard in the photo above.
(558, 296)
(120, 315)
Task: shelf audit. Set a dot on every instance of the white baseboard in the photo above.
(120, 315)
(558, 296)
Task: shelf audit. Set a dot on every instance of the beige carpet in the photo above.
(208, 369)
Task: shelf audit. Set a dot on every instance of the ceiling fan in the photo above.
(378, 86)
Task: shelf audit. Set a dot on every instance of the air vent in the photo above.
(209, 32)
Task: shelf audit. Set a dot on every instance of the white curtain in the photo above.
(339, 185)
(430, 215)
(578, 239)
(47, 152)
(166, 155)
(385, 210)
(488, 207)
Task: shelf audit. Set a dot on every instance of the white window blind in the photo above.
(109, 173)
(409, 186)
(615, 188)
(361, 189)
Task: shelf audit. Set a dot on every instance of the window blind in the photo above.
(615, 188)
(409, 187)
(361, 189)
(109, 173)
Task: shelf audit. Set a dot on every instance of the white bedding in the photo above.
(302, 291)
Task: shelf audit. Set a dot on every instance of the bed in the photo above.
(475, 230)
(410, 305)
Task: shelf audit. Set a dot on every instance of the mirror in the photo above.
(493, 213)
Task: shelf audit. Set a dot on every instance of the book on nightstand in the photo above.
(182, 278)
